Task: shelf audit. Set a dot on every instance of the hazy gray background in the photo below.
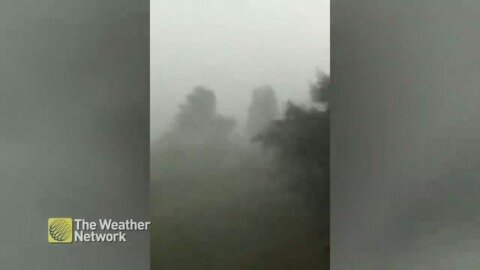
(217, 200)
(73, 128)
(405, 135)
(233, 47)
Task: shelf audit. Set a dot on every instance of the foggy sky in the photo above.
(232, 47)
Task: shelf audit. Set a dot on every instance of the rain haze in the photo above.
(233, 47)
(240, 127)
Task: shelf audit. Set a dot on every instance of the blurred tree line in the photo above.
(197, 129)
(202, 160)
(301, 141)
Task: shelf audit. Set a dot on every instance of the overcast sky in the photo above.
(232, 47)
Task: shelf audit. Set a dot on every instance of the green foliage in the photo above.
(302, 136)
(301, 141)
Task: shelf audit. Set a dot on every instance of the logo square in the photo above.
(60, 230)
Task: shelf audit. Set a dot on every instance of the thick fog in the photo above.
(233, 47)
(239, 179)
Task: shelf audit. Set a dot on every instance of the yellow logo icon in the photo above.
(60, 230)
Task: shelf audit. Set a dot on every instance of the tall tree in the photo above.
(301, 141)
(198, 131)
(262, 111)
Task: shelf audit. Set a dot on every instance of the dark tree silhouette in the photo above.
(197, 131)
(198, 111)
(221, 197)
(301, 141)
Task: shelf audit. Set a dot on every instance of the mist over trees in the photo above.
(320, 89)
(262, 111)
(197, 129)
(243, 199)
(198, 116)
(301, 140)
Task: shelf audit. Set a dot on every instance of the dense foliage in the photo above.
(220, 202)
(302, 140)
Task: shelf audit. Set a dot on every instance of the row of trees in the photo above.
(302, 140)
(299, 140)
(201, 166)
